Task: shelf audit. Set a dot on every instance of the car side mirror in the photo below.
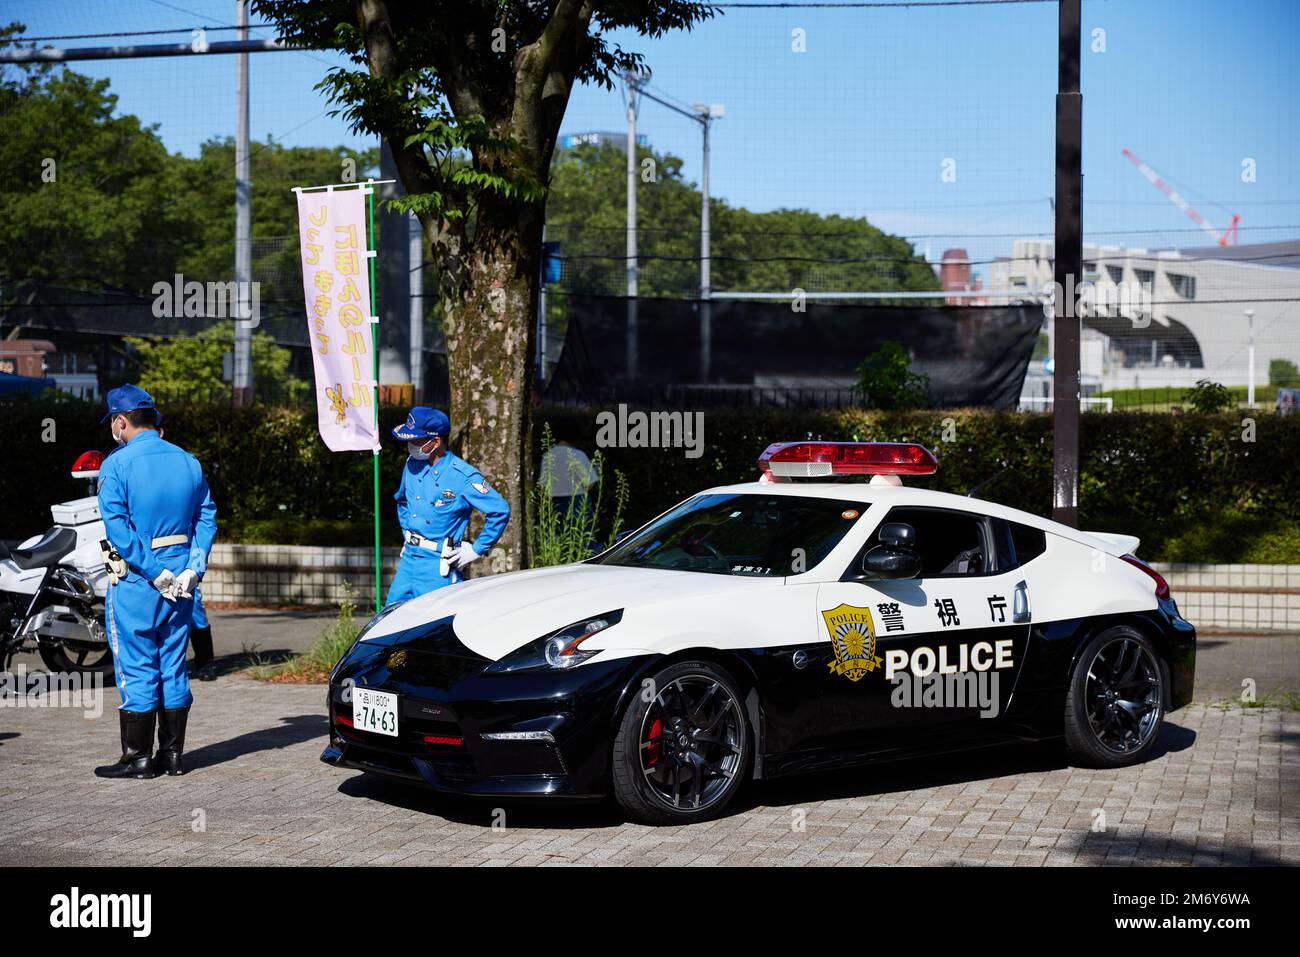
(895, 557)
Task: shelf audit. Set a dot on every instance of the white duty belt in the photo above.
(419, 541)
(170, 540)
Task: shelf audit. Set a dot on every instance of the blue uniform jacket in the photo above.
(151, 489)
(435, 500)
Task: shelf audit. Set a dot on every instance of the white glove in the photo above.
(462, 556)
(166, 585)
(185, 583)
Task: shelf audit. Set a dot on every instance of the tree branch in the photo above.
(413, 166)
(547, 68)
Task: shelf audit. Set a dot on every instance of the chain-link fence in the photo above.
(860, 153)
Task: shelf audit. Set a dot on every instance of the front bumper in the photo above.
(447, 706)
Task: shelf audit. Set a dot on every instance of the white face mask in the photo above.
(416, 451)
(119, 437)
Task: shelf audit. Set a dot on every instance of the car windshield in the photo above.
(760, 535)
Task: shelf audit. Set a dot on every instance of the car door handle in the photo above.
(1020, 605)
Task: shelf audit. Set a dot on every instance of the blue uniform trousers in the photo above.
(418, 572)
(149, 636)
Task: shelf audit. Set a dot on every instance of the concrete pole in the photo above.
(394, 277)
(632, 358)
(541, 316)
(243, 371)
(418, 306)
(1068, 253)
(706, 282)
(1250, 362)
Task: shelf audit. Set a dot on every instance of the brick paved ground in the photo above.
(1223, 788)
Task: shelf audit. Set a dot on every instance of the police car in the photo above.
(804, 621)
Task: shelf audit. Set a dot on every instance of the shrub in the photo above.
(1208, 397)
(887, 380)
(555, 539)
(1283, 372)
(1173, 480)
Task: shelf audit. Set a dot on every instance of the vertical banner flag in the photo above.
(335, 267)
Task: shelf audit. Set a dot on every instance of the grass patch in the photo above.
(1287, 699)
(314, 665)
(1165, 398)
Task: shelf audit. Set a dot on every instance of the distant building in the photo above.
(955, 276)
(40, 358)
(1191, 324)
(25, 357)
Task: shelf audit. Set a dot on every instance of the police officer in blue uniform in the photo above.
(437, 494)
(202, 666)
(160, 522)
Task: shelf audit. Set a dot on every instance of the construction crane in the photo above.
(1229, 237)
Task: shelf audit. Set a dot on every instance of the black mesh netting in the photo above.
(973, 355)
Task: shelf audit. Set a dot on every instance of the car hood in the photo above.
(499, 613)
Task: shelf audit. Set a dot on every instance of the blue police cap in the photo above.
(423, 422)
(127, 398)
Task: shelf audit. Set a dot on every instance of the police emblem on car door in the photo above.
(853, 640)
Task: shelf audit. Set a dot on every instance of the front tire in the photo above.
(683, 747)
(1116, 700)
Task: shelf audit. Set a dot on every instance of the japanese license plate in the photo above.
(374, 711)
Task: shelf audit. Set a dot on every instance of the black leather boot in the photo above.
(201, 667)
(171, 740)
(137, 745)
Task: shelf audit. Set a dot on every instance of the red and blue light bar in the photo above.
(832, 459)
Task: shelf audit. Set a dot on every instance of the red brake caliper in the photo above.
(653, 743)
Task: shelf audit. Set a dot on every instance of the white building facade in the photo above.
(1168, 318)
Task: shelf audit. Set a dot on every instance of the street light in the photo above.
(704, 114)
(1250, 361)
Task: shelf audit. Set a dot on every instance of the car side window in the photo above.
(1029, 542)
(950, 543)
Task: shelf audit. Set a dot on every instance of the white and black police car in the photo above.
(768, 628)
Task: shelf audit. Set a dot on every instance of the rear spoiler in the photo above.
(1127, 544)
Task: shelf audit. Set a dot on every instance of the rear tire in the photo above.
(1116, 700)
(682, 755)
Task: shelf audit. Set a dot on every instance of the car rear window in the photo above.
(1029, 542)
(740, 534)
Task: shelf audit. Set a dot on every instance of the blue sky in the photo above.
(863, 122)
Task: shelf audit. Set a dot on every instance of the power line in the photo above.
(131, 33)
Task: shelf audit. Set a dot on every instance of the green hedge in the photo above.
(1188, 485)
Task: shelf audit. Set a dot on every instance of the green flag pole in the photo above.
(374, 347)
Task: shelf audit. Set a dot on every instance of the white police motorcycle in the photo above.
(52, 587)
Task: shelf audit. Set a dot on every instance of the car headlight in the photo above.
(383, 613)
(559, 650)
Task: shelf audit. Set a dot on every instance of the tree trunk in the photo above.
(488, 320)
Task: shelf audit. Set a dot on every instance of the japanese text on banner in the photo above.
(332, 237)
